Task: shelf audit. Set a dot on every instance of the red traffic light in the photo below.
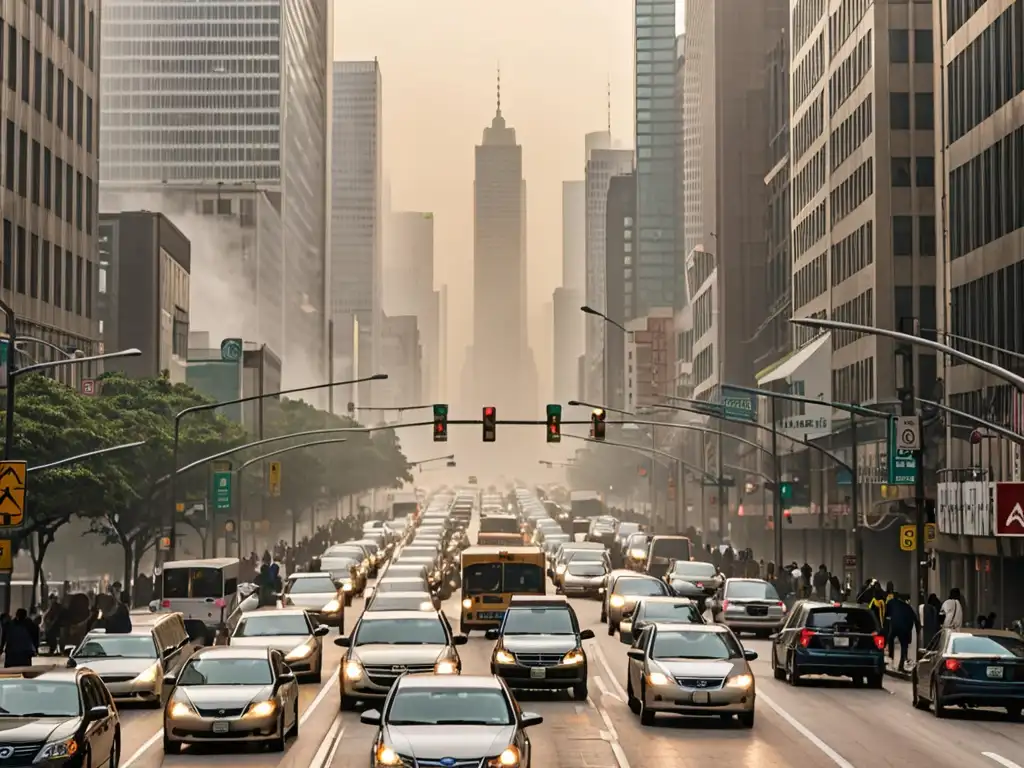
(554, 429)
(439, 427)
(488, 411)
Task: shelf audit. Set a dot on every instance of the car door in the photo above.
(635, 668)
(926, 662)
(288, 691)
(783, 639)
(98, 733)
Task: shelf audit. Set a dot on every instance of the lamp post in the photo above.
(421, 462)
(83, 456)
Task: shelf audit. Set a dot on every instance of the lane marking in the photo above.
(608, 724)
(824, 748)
(611, 674)
(1001, 760)
(620, 755)
(329, 746)
(143, 749)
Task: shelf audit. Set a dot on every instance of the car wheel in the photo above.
(915, 696)
(604, 616)
(794, 672)
(277, 744)
(348, 704)
(318, 676)
(114, 760)
(646, 714)
(1014, 711)
(875, 680)
(579, 691)
(631, 700)
(779, 672)
(937, 704)
(171, 747)
(746, 719)
(612, 628)
(295, 714)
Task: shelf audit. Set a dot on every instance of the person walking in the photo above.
(952, 610)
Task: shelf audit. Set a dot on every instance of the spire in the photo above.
(609, 105)
(498, 113)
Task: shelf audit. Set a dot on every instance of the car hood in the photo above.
(397, 654)
(463, 742)
(539, 643)
(283, 643)
(225, 696)
(313, 600)
(35, 730)
(103, 666)
(697, 668)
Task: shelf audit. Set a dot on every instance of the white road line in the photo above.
(611, 673)
(1001, 760)
(329, 746)
(832, 755)
(143, 749)
(620, 755)
(608, 724)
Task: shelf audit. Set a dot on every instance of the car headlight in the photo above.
(445, 667)
(509, 757)
(261, 709)
(740, 681)
(332, 607)
(575, 656)
(353, 670)
(501, 656)
(59, 750)
(638, 554)
(560, 569)
(658, 678)
(180, 709)
(346, 586)
(300, 652)
(616, 601)
(149, 675)
(387, 756)
(467, 603)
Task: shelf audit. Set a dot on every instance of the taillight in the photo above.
(165, 603)
(805, 637)
(879, 642)
(725, 605)
(700, 584)
(952, 665)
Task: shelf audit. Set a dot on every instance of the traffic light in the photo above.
(554, 423)
(440, 423)
(785, 495)
(597, 420)
(490, 423)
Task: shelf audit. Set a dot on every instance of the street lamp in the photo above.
(421, 462)
(601, 407)
(84, 456)
(591, 311)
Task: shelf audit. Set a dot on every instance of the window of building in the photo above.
(92, 39)
(924, 111)
(88, 289)
(47, 178)
(26, 72)
(37, 161)
(88, 123)
(33, 268)
(924, 52)
(22, 163)
(79, 118)
(8, 255)
(88, 205)
(58, 284)
(12, 57)
(58, 189)
(179, 341)
(79, 201)
(69, 123)
(902, 235)
(899, 110)
(44, 260)
(79, 276)
(924, 171)
(926, 237)
(9, 155)
(69, 281)
(49, 89)
(60, 98)
(37, 91)
(901, 172)
(903, 303)
(69, 193)
(19, 261)
(899, 46)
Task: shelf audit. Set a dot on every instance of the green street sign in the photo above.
(902, 464)
(3, 363)
(231, 350)
(738, 405)
(222, 490)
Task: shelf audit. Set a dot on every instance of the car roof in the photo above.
(535, 601)
(400, 594)
(383, 615)
(429, 680)
(759, 581)
(215, 562)
(308, 575)
(275, 610)
(232, 652)
(400, 578)
(46, 671)
(719, 629)
(666, 599)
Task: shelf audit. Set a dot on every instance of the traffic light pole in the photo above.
(776, 501)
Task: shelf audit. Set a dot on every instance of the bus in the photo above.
(404, 504)
(500, 531)
(200, 590)
(491, 575)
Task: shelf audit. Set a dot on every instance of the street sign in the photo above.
(12, 494)
(229, 527)
(1009, 509)
(908, 433)
(930, 533)
(221, 490)
(902, 464)
(849, 562)
(3, 363)
(89, 387)
(908, 538)
(274, 478)
(165, 543)
(738, 405)
(231, 350)
(6, 555)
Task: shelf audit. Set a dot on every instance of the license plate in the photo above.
(841, 642)
(491, 614)
(221, 726)
(538, 673)
(995, 673)
(702, 697)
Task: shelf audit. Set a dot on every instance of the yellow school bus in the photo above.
(500, 531)
(491, 575)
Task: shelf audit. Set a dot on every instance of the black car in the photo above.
(58, 717)
(835, 639)
(974, 667)
(693, 579)
(658, 610)
(540, 646)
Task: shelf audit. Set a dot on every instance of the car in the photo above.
(318, 594)
(402, 601)
(624, 590)
(57, 716)
(690, 669)
(970, 667)
(384, 645)
(399, 569)
(749, 605)
(634, 550)
(349, 570)
(400, 584)
(364, 552)
(835, 639)
(584, 578)
(227, 694)
(694, 579)
(658, 610)
(292, 631)
(441, 720)
(540, 645)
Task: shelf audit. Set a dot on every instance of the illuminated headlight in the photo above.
(616, 601)
(332, 607)
(425, 606)
(575, 656)
(638, 554)
(467, 603)
(300, 652)
(560, 569)
(658, 678)
(510, 757)
(739, 681)
(346, 586)
(501, 656)
(261, 709)
(353, 670)
(149, 675)
(180, 709)
(445, 667)
(387, 756)
(58, 750)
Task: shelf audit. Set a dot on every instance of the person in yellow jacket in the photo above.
(878, 602)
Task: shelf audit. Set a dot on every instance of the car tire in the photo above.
(1014, 712)
(746, 719)
(646, 715)
(295, 725)
(348, 599)
(777, 671)
(604, 616)
(278, 743)
(579, 691)
(348, 704)
(794, 673)
(632, 702)
(114, 759)
(875, 680)
(171, 747)
(612, 629)
(915, 696)
(938, 706)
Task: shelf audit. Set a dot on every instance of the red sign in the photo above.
(1009, 509)
(88, 386)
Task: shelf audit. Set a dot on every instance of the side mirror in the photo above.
(587, 634)
(492, 634)
(750, 655)
(343, 642)
(71, 664)
(99, 713)
(635, 653)
(460, 640)
(370, 717)
(170, 681)
(625, 637)
(170, 650)
(286, 677)
(773, 637)
(321, 630)
(530, 718)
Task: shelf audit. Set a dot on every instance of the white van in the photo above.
(200, 590)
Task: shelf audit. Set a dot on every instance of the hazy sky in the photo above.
(438, 63)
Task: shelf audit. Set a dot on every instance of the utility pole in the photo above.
(907, 394)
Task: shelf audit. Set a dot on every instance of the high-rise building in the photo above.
(567, 319)
(193, 121)
(574, 235)
(356, 213)
(401, 355)
(48, 198)
(620, 281)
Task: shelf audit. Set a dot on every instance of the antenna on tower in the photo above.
(499, 87)
(609, 105)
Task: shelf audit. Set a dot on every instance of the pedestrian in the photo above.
(20, 641)
(903, 621)
(877, 603)
(53, 621)
(820, 580)
(952, 610)
(930, 619)
(836, 593)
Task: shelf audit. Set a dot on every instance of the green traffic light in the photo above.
(785, 491)
(440, 410)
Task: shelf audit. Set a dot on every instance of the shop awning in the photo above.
(795, 361)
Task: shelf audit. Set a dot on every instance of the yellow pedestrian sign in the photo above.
(274, 478)
(6, 555)
(908, 538)
(930, 533)
(12, 494)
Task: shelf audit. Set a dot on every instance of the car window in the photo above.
(586, 556)
(843, 620)
(750, 590)
(988, 645)
(311, 586)
(685, 568)
(630, 586)
(586, 569)
(677, 612)
(271, 624)
(694, 645)
(538, 621)
(226, 671)
(415, 706)
(426, 631)
(40, 697)
(116, 646)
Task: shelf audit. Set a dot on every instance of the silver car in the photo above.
(624, 590)
(690, 669)
(318, 594)
(288, 630)
(584, 578)
(749, 605)
(400, 584)
(386, 645)
(403, 601)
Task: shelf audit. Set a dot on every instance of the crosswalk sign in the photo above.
(12, 494)
(274, 478)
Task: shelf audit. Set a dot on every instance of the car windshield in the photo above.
(311, 586)
(637, 541)
(469, 706)
(116, 647)
(538, 621)
(212, 671)
(499, 525)
(427, 631)
(586, 569)
(676, 612)
(694, 645)
(844, 620)
(395, 602)
(38, 698)
(586, 556)
(399, 585)
(270, 625)
(627, 528)
(691, 570)
(339, 567)
(751, 590)
(671, 548)
(988, 645)
(628, 586)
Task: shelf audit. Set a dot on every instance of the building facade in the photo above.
(49, 102)
(402, 358)
(567, 320)
(649, 356)
(620, 281)
(356, 212)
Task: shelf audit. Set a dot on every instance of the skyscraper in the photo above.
(567, 320)
(356, 215)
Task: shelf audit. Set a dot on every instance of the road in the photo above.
(822, 724)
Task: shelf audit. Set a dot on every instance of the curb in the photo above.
(893, 672)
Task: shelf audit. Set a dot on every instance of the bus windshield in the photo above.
(492, 578)
(670, 548)
(499, 525)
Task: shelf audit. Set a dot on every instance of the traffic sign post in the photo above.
(88, 387)
(908, 433)
(849, 563)
(902, 464)
(274, 478)
(222, 491)
(931, 532)
(12, 495)
(908, 538)
(6, 556)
